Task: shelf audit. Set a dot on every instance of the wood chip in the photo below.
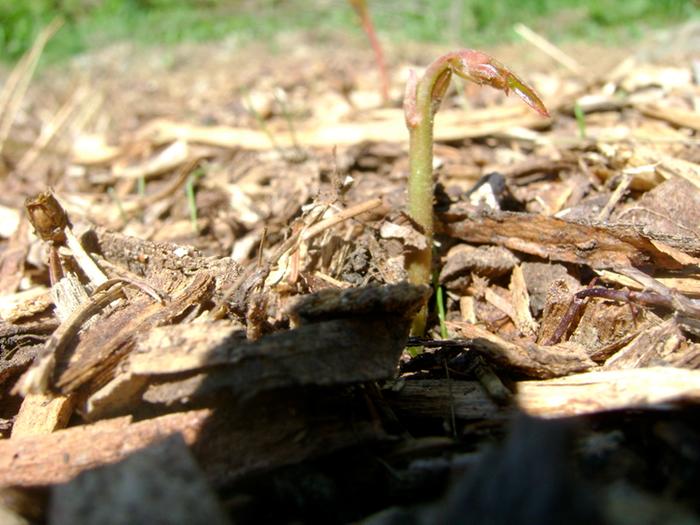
(689, 286)
(655, 345)
(594, 392)
(13, 258)
(161, 263)
(679, 117)
(598, 246)
(272, 432)
(60, 456)
(521, 303)
(440, 398)
(42, 414)
(525, 357)
(110, 338)
(454, 125)
(113, 495)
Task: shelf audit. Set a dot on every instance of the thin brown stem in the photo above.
(362, 11)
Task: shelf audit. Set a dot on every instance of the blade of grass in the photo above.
(440, 304)
(281, 98)
(262, 125)
(190, 191)
(141, 186)
(115, 198)
(580, 119)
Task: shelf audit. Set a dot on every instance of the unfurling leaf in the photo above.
(527, 94)
(485, 70)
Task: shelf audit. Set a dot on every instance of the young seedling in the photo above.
(421, 102)
(360, 7)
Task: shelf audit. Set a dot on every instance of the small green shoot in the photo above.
(141, 186)
(421, 102)
(248, 104)
(281, 98)
(440, 306)
(115, 198)
(299, 154)
(580, 119)
(190, 191)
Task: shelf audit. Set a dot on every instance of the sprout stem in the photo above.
(421, 102)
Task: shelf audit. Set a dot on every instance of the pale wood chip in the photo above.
(593, 392)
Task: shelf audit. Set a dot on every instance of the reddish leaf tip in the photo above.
(527, 94)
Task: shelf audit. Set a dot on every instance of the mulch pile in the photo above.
(205, 317)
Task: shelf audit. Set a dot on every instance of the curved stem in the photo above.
(362, 11)
(420, 206)
(421, 102)
(421, 105)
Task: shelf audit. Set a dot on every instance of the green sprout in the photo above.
(580, 119)
(421, 102)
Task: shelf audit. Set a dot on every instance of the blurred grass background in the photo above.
(95, 23)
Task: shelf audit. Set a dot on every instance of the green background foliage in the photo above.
(95, 23)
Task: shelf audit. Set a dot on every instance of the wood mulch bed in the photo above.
(205, 317)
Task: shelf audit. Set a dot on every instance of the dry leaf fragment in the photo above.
(411, 237)
(487, 261)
